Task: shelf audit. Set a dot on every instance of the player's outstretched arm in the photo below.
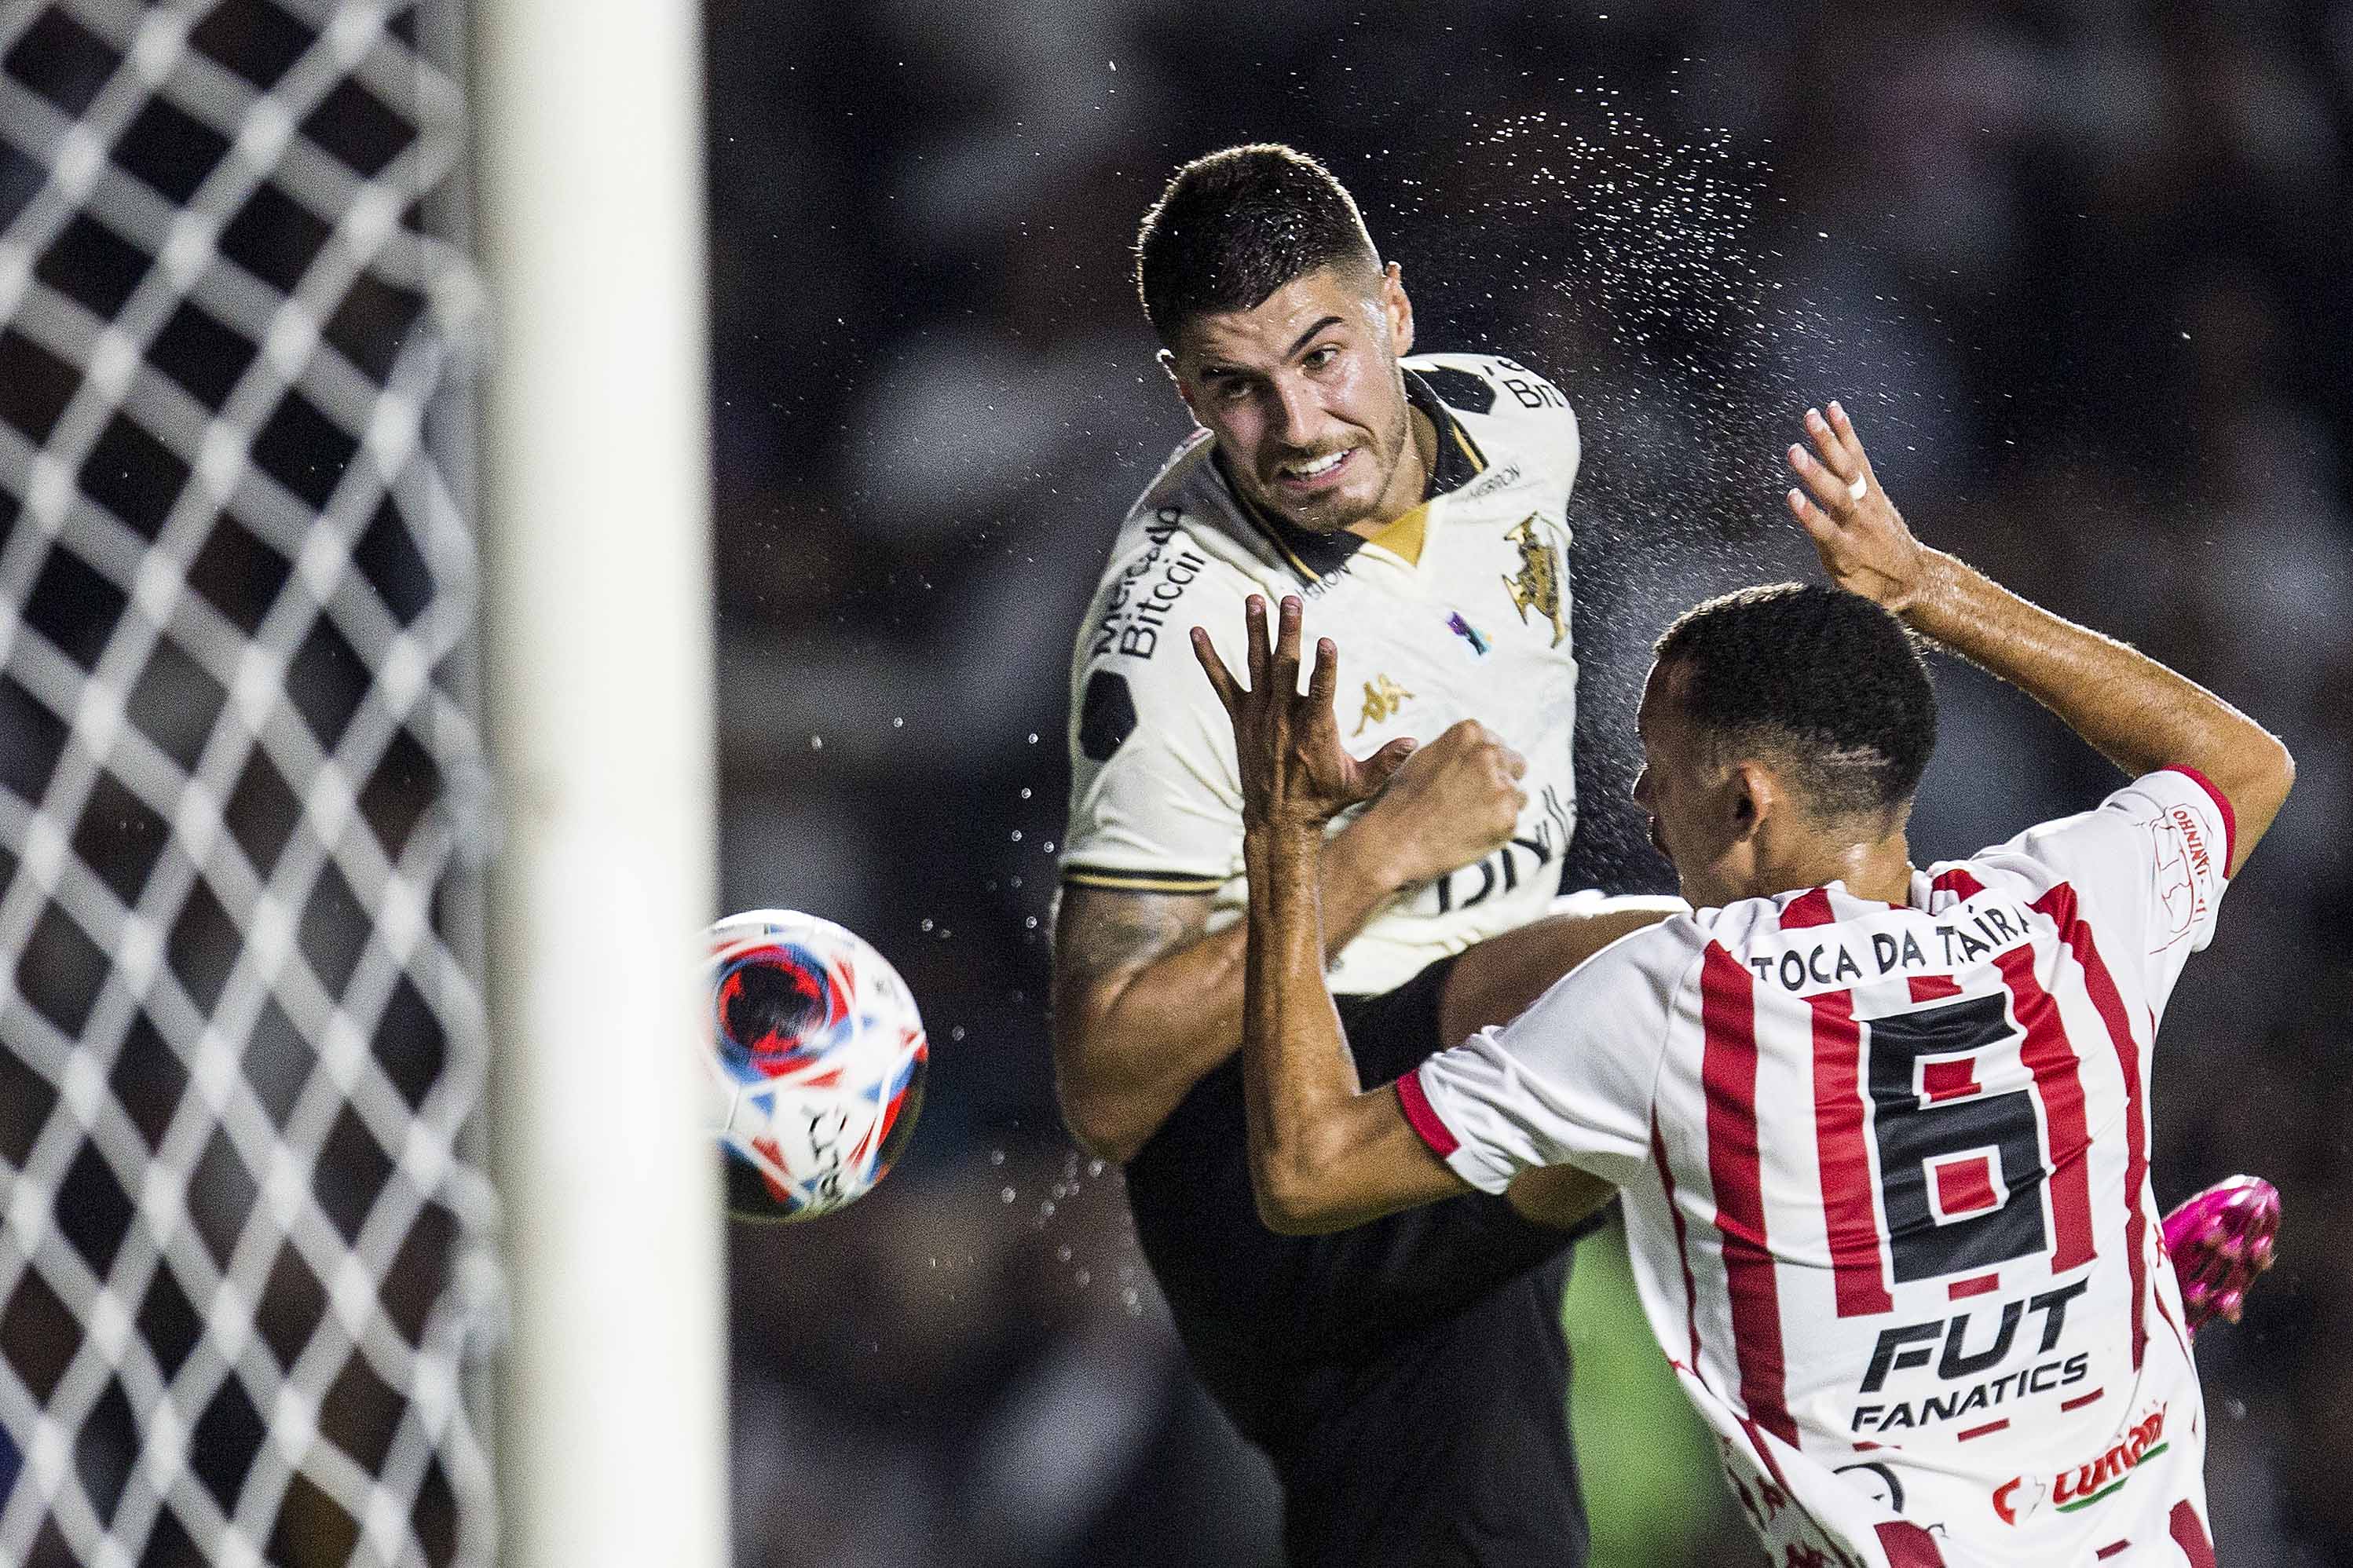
(2132, 710)
(1324, 1154)
(1146, 999)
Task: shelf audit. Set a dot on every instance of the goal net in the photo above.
(241, 1048)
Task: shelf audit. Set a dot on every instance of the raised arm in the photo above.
(1324, 1154)
(1146, 1000)
(2132, 710)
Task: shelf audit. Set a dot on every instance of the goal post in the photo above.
(597, 631)
(255, 668)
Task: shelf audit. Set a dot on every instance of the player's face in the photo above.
(1695, 803)
(1306, 398)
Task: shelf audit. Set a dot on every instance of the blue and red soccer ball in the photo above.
(818, 1057)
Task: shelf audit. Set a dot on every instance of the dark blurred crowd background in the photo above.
(2083, 274)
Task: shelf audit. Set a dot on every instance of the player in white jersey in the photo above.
(1422, 503)
(1882, 1132)
(1461, 606)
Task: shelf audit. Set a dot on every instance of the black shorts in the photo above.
(1409, 1377)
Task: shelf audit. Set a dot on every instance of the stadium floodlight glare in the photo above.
(597, 652)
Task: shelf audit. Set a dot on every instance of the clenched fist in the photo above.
(1454, 801)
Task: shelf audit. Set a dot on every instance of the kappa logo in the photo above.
(2084, 1485)
(1536, 584)
(1383, 698)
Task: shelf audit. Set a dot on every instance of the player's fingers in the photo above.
(1818, 525)
(1325, 678)
(1834, 453)
(1515, 764)
(1373, 772)
(1845, 429)
(1254, 632)
(1221, 681)
(1832, 494)
(1285, 674)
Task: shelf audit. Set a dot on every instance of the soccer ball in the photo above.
(819, 1057)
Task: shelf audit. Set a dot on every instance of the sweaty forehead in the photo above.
(1268, 332)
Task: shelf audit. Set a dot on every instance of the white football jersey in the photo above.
(1886, 1181)
(1458, 610)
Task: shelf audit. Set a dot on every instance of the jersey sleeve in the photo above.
(2150, 865)
(1156, 793)
(1568, 1082)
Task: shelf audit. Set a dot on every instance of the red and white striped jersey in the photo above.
(1886, 1181)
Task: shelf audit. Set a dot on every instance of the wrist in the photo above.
(1267, 839)
(1927, 602)
(1368, 853)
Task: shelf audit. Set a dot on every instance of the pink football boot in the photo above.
(2220, 1240)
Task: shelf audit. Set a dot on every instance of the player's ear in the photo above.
(1397, 308)
(1184, 393)
(1752, 794)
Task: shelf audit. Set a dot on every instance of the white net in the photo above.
(239, 1052)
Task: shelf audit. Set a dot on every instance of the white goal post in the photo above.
(597, 618)
(253, 653)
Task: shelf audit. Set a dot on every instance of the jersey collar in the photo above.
(1315, 557)
(1459, 459)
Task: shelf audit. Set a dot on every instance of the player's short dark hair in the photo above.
(1236, 224)
(1829, 682)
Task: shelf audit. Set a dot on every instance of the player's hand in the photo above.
(1865, 544)
(1454, 802)
(1295, 774)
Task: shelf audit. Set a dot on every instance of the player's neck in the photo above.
(1876, 868)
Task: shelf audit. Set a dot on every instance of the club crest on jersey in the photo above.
(2084, 1485)
(1383, 698)
(1536, 584)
